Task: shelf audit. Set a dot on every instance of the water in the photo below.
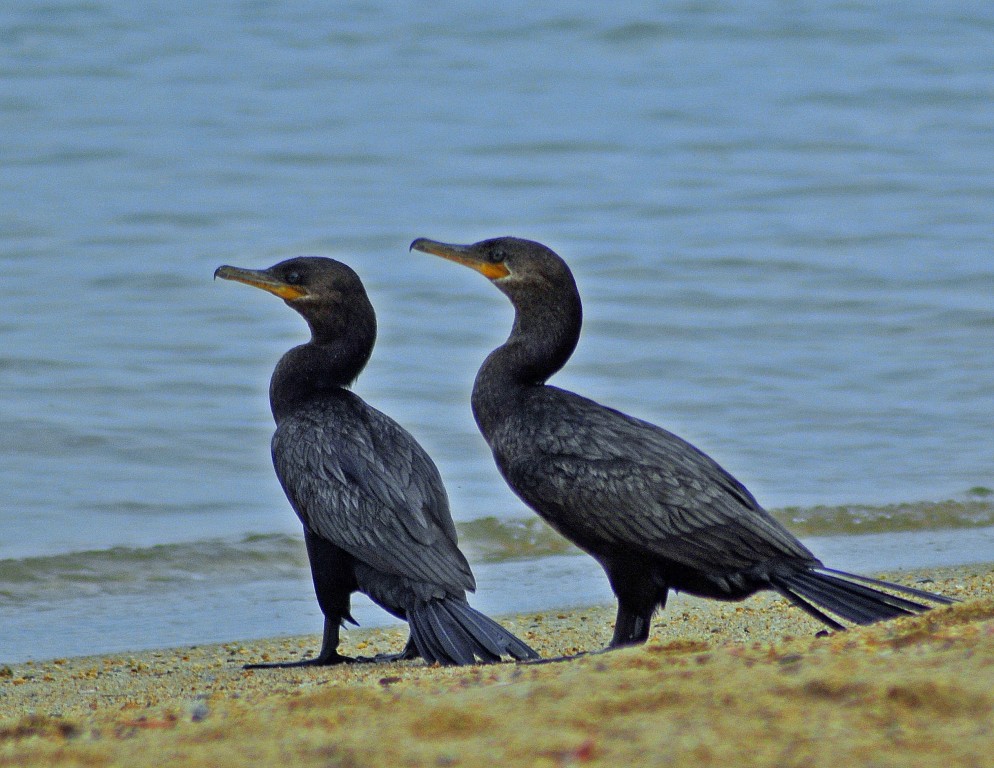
(779, 218)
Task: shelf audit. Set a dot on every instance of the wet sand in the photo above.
(750, 683)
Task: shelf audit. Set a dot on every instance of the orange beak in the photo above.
(462, 254)
(259, 278)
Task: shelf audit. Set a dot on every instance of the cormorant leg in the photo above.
(631, 627)
(638, 597)
(639, 591)
(327, 657)
(410, 652)
(334, 582)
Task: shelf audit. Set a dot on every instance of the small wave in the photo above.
(977, 511)
(121, 570)
(493, 540)
(266, 557)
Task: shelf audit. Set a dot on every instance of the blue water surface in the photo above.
(779, 218)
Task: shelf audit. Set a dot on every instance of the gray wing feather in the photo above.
(357, 478)
(613, 480)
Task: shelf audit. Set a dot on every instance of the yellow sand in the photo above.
(718, 685)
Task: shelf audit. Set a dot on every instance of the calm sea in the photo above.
(779, 215)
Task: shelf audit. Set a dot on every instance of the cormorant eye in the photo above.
(293, 277)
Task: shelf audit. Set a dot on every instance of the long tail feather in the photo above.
(450, 631)
(847, 596)
(898, 587)
(805, 606)
(489, 633)
(424, 640)
(846, 600)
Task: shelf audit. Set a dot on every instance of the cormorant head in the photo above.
(514, 265)
(548, 313)
(328, 294)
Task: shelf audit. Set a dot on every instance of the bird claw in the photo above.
(556, 659)
(385, 658)
(320, 661)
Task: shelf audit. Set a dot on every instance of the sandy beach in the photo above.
(753, 683)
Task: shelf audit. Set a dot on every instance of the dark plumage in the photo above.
(653, 510)
(375, 513)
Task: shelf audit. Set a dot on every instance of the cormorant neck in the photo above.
(340, 346)
(545, 333)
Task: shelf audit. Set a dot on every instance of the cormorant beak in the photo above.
(467, 255)
(260, 278)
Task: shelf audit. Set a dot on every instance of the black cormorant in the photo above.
(653, 510)
(375, 513)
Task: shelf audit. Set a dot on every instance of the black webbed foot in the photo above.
(556, 659)
(383, 658)
(328, 660)
(410, 652)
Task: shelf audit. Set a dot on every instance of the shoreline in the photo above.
(712, 675)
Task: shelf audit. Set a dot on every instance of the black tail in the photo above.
(846, 595)
(450, 632)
